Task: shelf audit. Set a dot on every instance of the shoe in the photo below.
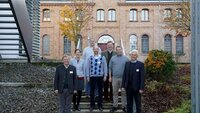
(113, 109)
(74, 108)
(91, 109)
(100, 109)
(124, 109)
(78, 108)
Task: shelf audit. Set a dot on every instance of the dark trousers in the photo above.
(108, 95)
(96, 83)
(65, 100)
(77, 98)
(131, 96)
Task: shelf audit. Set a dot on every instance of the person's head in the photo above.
(77, 53)
(110, 45)
(119, 50)
(96, 49)
(134, 55)
(66, 59)
(92, 42)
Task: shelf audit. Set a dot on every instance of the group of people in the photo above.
(100, 72)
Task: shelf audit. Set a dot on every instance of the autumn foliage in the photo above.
(159, 65)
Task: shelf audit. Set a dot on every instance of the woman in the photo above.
(79, 64)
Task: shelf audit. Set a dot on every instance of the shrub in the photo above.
(160, 65)
(184, 108)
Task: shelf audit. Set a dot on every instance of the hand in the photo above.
(110, 79)
(123, 89)
(88, 79)
(141, 91)
(104, 78)
(56, 92)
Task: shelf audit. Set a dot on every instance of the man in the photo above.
(108, 84)
(96, 72)
(87, 52)
(133, 82)
(64, 84)
(116, 67)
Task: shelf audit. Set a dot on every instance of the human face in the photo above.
(110, 46)
(96, 50)
(119, 51)
(78, 54)
(66, 60)
(134, 56)
(92, 42)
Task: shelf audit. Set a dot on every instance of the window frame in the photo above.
(100, 15)
(133, 15)
(144, 37)
(111, 15)
(145, 15)
(46, 15)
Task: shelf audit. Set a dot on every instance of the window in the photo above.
(111, 15)
(145, 15)
(100, 15)
(145, 44)
(133, 42)
(179, 13)
(45, 44)
(133, 15)
(167, 13)
(168, 43)
(67, 45)
(46, 15)
(179, 44)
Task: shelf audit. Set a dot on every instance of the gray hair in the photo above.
(134, 51)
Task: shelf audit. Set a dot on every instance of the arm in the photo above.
(124, 76)
(142, 77)
(56, 78)
(74, 80)
(110, 69)
(105, 68)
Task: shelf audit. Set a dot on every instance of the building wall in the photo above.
(122, 28)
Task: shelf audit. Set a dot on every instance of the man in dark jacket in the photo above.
(64, 84)
(133, 82)
(107, 84)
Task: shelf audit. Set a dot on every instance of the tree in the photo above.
(179, 19)
(76, 15)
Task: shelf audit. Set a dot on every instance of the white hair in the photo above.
(134, 51)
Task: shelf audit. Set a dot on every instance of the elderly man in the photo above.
(87, 52)
(96, 72)
(133, 82)
(64, 84)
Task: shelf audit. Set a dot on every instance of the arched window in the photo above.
(133, 15)
(67, 45)
(46, 44)
(145, 15)
(133, 42)
(46, 15)
(145, 44)
(179, 44)
(111, 15)
(168, 43)
(167, 13)
(100, 15)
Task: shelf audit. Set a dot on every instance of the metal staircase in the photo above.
(12, 39)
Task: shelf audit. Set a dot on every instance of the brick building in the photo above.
(137, 24)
